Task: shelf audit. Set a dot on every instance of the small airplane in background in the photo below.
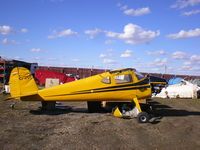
(119, 86)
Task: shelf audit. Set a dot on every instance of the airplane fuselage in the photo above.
(109, 86)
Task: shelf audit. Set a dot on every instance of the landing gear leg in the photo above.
(142, 117)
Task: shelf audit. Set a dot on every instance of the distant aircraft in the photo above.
(123, 85)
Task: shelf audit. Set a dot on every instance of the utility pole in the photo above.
(165, 68)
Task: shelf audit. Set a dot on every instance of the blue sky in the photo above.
(161, 36)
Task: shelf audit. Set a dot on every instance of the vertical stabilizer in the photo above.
(22, 83)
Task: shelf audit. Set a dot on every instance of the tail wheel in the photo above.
(143, 117)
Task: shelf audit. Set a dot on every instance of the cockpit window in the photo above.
(125, 78)
(106, 80)
(139, 75)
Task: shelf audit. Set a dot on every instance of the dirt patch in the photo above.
(24, 127)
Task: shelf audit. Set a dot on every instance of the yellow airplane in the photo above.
(123, 85)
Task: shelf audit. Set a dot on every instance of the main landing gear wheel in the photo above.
(143, 117)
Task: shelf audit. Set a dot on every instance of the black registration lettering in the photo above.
(25, 77)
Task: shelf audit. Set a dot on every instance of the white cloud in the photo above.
(11, 57)
(195, 69)
(126, 54)
(35, 50)
(195, 58)
(179, 55)
(52, 59)
(122, 7)
(159, 52)
(137, 12)
(109, 42)
(192, 12)
(17, 58)
(64, 33)
(191, 66)
(109, 54)
(134, 12)
(158, 65)
(75, 60)
(36, 58)
(105, 55)
(160, 62)
(110, 50)
(134, 34)
(4, 41)
(24, 30)
(187, 63)
(5, 30)
(191, 59)
(156, 69)
(137, 60)
(185, 3)
(93, 33)
(7, 41)
(185, 34)
(109, 61)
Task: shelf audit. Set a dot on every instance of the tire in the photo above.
(143, 117)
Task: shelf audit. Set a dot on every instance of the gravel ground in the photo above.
(24, 127)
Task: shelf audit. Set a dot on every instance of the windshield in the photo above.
(139, 75)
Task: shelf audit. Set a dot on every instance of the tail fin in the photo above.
(22, 83)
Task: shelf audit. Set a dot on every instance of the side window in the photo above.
(106, 80)
(125, 78)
